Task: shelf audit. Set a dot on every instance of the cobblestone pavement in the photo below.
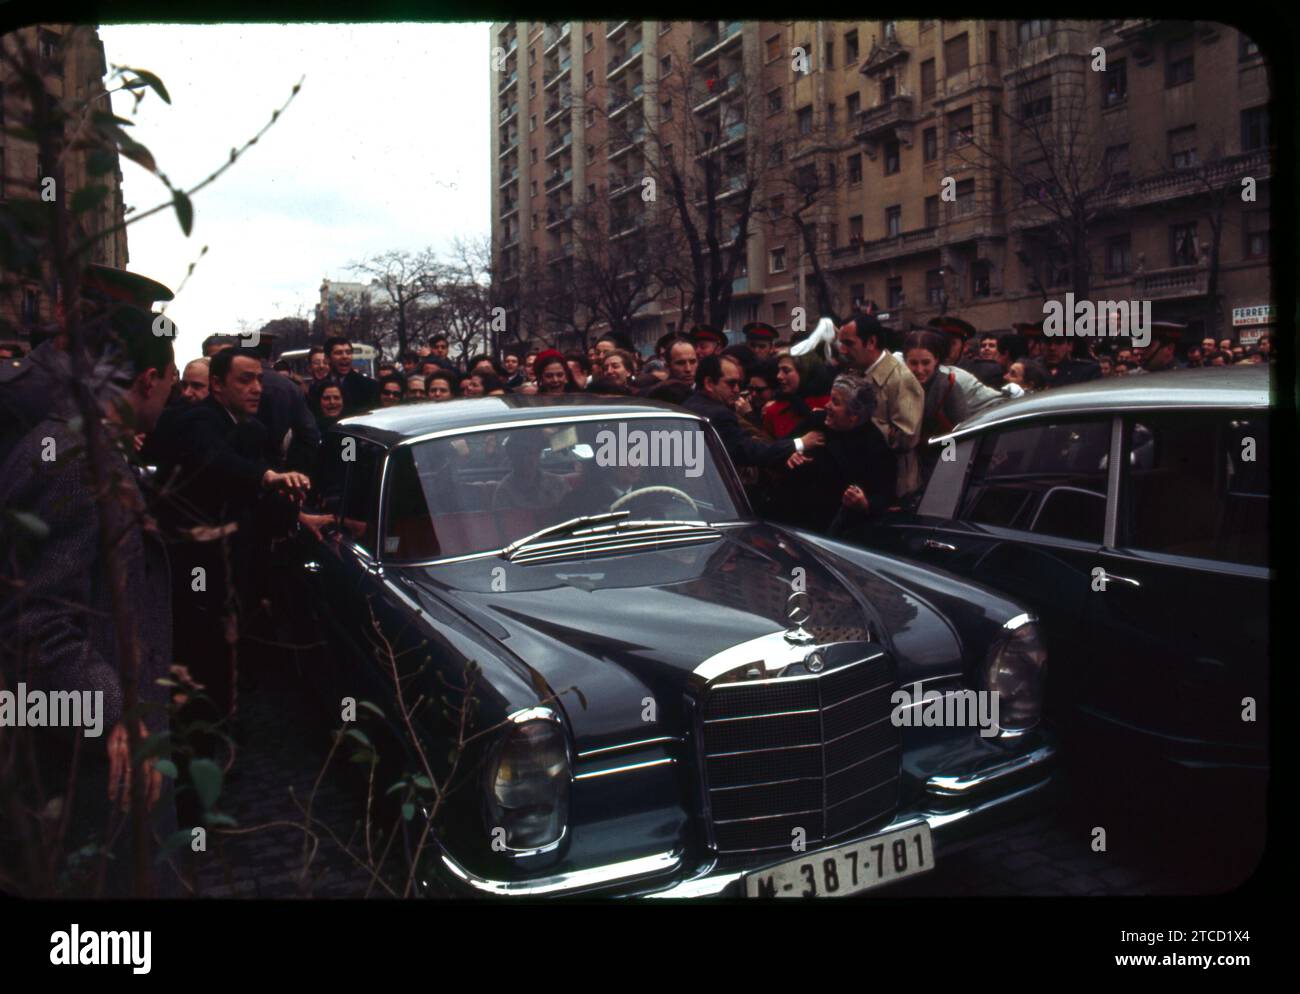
(284, 746)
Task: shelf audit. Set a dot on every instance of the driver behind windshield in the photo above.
(599, 489)
(526, 485)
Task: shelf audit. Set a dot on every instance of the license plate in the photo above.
(849, 869)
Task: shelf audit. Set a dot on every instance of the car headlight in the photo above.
(1014, 671)
(528, 790)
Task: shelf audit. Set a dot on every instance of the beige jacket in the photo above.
(900, 401)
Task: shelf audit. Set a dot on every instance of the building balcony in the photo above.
(563, 252)
(509, 206)
(621, 144)
(620, 61)
(728, 187)
(711, 44)
(621, 101)
(890, 118)
(559, 144)
(549, 41)
(731, 134)
(613, 28)
(508, 112)
(621, 227)
(508, 82)
(1174, 283)
(556, 216)
(552, 77)
(858, 253)
(557, 107)
(720, 88)
(558, 178)
(1190, 182)
(509, 176)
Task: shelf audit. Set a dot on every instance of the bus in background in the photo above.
(364, 358)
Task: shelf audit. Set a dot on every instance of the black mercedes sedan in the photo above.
(606, 676)
(1132, 516)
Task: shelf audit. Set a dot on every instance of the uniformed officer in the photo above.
(1159, 356)
(760, 337)
(707, 340)
(956, 332)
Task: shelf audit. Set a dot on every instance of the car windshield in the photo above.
(479, 492)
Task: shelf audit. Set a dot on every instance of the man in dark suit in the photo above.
(219, 485)
(360, 393)
(718, 381)
(61, 622)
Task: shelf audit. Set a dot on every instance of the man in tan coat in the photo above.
(900, 400)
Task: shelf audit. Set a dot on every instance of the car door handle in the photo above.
(311, 566)
(937, 546)
(1111, 577)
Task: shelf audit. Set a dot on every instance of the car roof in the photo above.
(1204, 388)
(394, 425)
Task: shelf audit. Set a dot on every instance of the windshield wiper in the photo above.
(573, 524)
(576, 524)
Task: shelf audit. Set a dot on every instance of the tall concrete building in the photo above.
(970, 167)
(72, 63)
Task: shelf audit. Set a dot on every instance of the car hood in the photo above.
(626, 632)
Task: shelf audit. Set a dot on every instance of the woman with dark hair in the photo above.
(552, 374)
(848, 480)
(330, 406)
(803, 386)
(945, 401)
(1030, 377)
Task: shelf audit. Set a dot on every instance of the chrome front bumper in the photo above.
(959, 811)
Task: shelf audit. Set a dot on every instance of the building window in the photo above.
(993, 47)
(534, 222)
(965, 196)
(666, 111)
(927, 79)
(532, 56)
(532, 154)
(888, 88)
(1254, 129)
(855, 168)
(1115, 163)
(776, 154)
(588, 43)
(830, 116)
(995, 121)
(934, 294)
(894, 292)
(773, 47)
(850, 48)
(1255, 232)
(532, 88)
(891, 32)
(1182, 147)
(590, 117)
(591, 191)
(1246, 47)
(828, 55)
(532, 122)
(853, 105)
(893, 158)
(774, 101)
(893, 221)
(1114, 82)
(532, 188)
(776, 260)
(855, 229)
(589, 80)
(1179, 65)
(1182, 244)
(997, 194)
(857, 293)
(665, 65)
(776, 206)
(830, 173)
(591, 153)
(1036, 99)
(1028, 30)
(932, 211)
(804, 118)
(961, 127)
(930, 144)
(1119, 255)
(956, 55)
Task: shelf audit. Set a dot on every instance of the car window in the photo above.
(481, 491)
(1047, 478)
(1197, 485)
(360, 494)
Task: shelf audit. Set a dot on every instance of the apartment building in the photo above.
(73, 64)
(927, 161)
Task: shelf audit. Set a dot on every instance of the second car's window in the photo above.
(1048, 478)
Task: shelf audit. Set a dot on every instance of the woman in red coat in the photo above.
(804, 386)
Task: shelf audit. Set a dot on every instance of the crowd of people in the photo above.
(825, 437)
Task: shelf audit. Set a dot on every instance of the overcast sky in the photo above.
(385, 147)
